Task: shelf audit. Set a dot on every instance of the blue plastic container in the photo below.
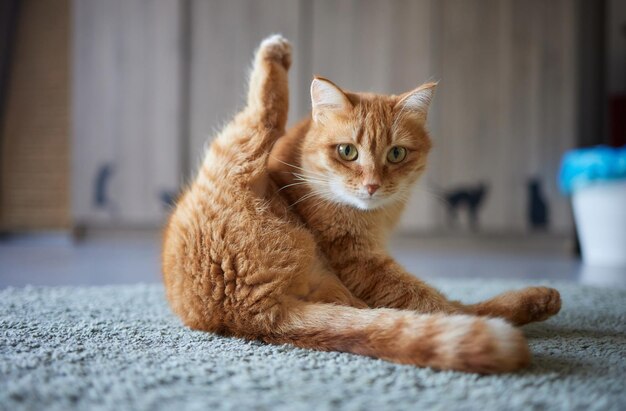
(586, 166)
(596, 180)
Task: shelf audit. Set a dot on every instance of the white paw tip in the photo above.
(274, 39)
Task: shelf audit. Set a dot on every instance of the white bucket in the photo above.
(600, 213)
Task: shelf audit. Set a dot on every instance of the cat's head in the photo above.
(366, 150)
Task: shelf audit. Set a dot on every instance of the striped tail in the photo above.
(453, 342)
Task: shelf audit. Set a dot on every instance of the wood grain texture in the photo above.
(34, 183)
(507, 102)
(127, 60)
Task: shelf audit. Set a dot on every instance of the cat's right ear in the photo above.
(327, 99)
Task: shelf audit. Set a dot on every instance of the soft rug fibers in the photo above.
(115, 348)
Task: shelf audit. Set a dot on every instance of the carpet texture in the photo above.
(115, 348)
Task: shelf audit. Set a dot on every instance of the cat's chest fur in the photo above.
(335, 226)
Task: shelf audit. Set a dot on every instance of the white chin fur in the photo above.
(338, 194)
(367, 204)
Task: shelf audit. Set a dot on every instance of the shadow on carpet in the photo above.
(112, 348)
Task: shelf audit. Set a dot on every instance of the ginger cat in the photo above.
(306, 265)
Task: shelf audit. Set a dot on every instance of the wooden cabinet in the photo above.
(155, 79)
(506, 104)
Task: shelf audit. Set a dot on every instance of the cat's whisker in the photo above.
(322, 198)
(295, 166)
(303, 198)
(322, 203)
(310, 178)
(299, 201)
(313, 182)
(304, 178)
(291, 185)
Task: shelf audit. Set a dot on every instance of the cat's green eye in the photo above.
(396, 154)
(347, 152)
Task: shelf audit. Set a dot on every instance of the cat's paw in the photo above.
(524, 306)
(539, 303)
(489, 346)
(276, 48)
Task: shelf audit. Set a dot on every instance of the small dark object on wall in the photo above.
(538, 210)
(471, 197)
(101, 200)
(168, 198)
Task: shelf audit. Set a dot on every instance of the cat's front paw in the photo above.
(533, 304)
(276, 48)
(542, 302)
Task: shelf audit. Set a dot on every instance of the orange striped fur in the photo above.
(241, 258)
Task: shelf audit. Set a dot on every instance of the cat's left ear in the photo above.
(416, 103)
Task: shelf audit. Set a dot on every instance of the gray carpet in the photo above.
(116, 348)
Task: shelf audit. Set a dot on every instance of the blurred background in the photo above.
(106, 105)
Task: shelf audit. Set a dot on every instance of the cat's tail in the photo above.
(455, 342)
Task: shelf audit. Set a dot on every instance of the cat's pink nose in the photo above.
(371, 188)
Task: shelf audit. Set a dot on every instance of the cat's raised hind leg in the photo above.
(268, 92)
(248, 138)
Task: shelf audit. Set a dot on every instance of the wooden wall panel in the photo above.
(466, 144)
(558, 102)
(506, 101)
(127, 99)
